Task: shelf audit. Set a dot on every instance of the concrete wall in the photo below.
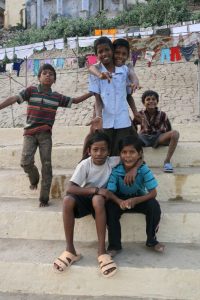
(13, 11)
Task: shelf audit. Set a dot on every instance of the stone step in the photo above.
(181, 185)
(26, 267)
(76, 134)
(22, 218)
(67, 156)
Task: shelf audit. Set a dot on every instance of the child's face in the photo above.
(150, 102)
(105, 54)
(99, 152)
(120, 56)
(129, 156)
(47, 77)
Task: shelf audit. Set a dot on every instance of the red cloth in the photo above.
(91, 60)
(175, 54)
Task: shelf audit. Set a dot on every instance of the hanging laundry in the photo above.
(47, 61)
(29, 65)
(165, 55)
(97, 32)
(134, 56)
(17, 66)
(60, 63)
(2, 68)
(91, 60)
(112, 31)
(70, 61)
(149, 56)
(175, 54)
(36, 66)
(187, 51)
(9, 68)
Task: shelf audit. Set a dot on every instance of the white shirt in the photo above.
(115, 111)
(87, 174)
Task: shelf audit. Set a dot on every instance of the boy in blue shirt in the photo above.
(138, 197)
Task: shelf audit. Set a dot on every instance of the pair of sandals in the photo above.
(107, 266)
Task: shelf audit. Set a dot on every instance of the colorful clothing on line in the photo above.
(175, 54)
(30, 65)
(134, 56)
(91, 59)
(165, 55)
(149, 56)
(42, 107)
(187, 51)
(152, 124)
(17, 66)
(2, 68)
(36, 67)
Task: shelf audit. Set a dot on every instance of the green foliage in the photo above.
(154, 12)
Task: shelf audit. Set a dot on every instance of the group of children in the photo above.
(112, 177)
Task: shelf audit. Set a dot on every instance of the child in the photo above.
(41, 112)
(138, 197)
(156, 128)
(114, 108)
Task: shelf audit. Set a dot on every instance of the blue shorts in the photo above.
(150, 140)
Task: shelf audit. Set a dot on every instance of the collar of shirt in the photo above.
(41, 89)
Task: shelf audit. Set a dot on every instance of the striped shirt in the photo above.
(42, 107)
(153, 124)
(144, 182)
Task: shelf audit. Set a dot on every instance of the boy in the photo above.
(111, 97)
(41, 112)
(156, 128)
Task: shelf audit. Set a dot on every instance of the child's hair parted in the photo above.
(121, 42)
(103, 40)
(150, 93)
(47, 67)
(97, 136)
(131, 141)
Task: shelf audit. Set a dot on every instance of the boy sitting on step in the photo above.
(156, 128)
(41, 111)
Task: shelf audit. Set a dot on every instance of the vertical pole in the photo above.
(198, 81)
(13, 121)
(26, 72)
(77, 65)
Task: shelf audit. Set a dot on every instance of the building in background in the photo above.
(39, 12)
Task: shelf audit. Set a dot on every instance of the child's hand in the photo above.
(123, 205)
(138, 117)
(106, 75)
(130, 176)
(105, 193)
(96, 124)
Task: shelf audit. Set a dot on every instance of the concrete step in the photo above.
(76, 134)
(26, 267)
(67, 156)
(181, 185)
(22, 218)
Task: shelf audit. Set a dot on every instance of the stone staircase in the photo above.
(32, 237)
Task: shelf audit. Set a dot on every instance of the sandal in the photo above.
(168, 168)
(107, 266)
(64, 261)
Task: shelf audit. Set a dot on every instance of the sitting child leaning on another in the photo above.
(156, 128)
(87, 194)
(139, 197)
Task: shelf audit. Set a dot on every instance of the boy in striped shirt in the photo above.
(41, 111)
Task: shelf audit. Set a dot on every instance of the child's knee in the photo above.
(175, 135)
(154, 205)
(68, 202)
(98, 202)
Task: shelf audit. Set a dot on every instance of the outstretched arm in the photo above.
(101, 75)
(82, 98)
(8, 101)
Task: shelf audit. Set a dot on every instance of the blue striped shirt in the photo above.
(144, 182)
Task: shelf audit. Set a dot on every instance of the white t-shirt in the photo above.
(87, 174)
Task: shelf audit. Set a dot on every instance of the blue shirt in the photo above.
(144, 182)
(115, 111)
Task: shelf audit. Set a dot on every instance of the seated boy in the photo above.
(156, 128)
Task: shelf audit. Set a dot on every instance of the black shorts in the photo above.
(83, 206)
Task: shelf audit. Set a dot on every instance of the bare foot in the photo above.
(43, 204)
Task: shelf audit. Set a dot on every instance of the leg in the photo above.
(170, 137)
(27, 160)
(98, 203)
(151, 209)
(45, 147)
(114, 228)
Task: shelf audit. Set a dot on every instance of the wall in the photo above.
(12, 12)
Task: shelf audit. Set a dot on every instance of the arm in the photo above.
(133, 78)
(8, 101)
(82, 98)
(130, 176)
(96, 123)
(93, 69)
(82, 191)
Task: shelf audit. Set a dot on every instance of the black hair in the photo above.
(131, 141)
(121, 42)
(47, 67)
(103, 40)
(97, 136)
(150, 93)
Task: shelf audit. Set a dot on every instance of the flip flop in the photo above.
(64, 261)
(168, 168)
(107, 266)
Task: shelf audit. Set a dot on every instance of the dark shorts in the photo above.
(83, 206)
(150, 140)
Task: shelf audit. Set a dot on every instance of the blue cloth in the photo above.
(144, 182)
(17, 66)
(165, 54)
(115, 111)
(36, 66)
